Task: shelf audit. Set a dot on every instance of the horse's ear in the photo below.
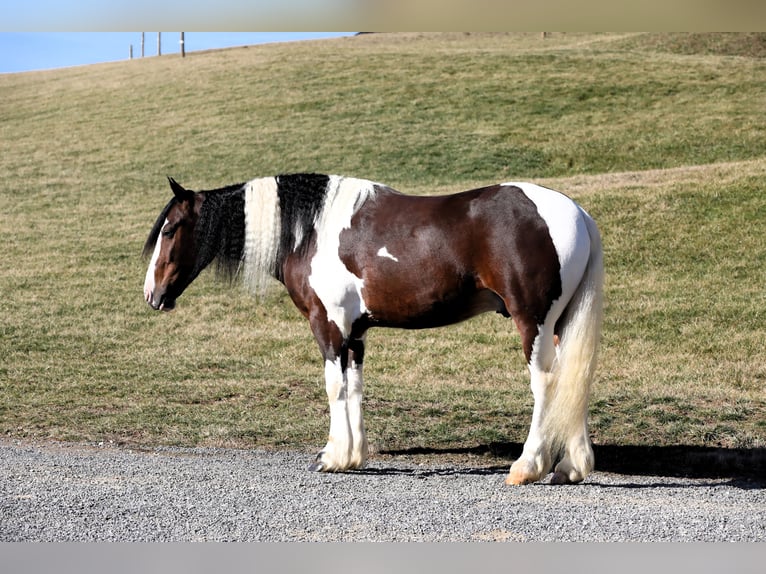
(179, 191)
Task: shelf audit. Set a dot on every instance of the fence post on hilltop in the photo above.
(183, 49)
(159, 43)
(130, 52)
(142, 44)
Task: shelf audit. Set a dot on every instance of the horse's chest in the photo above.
(339, 290)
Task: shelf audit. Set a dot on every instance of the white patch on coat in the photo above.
(569, 233)
(149, 279)
(339, 290)
(262, 231)
(383, 252)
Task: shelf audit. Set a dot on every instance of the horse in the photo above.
(355, 254)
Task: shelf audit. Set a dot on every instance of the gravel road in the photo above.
(64, 492)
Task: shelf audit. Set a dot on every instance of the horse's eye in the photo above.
(168, 231)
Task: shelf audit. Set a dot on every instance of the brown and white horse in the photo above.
(354, 254)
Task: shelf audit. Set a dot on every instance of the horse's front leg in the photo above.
(346, 446)
(355, 395)
(336, 454)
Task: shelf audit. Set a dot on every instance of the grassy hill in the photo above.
(661, 137)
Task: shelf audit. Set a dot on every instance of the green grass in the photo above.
(661, 137)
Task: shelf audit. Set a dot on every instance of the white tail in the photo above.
(566, 422)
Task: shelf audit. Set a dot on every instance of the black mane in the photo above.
(220, 231)
(301, 197)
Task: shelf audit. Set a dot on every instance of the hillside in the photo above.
(661, 137)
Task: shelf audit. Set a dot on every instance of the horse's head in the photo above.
(173, 248)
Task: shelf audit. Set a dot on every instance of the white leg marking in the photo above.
(336, 455)
(383, 252)
(355, 415)
(578, 459)
(347, 443)
(535, 459)
(559, 418)
(149, 279)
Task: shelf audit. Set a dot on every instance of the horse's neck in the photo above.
(222, 232)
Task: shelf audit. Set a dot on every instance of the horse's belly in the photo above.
(408, 312)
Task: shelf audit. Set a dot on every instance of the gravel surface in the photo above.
(63, 492)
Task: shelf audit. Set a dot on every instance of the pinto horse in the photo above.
(355, 254)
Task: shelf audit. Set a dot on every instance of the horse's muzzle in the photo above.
(160, 301)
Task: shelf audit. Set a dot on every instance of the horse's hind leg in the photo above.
(577, 461)
(559, 418)
(537, 456)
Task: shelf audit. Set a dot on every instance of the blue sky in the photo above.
(26, 51)
(220, 15)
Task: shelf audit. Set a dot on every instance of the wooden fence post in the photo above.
(183, 49)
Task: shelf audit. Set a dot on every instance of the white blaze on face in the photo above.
(383, 252)
(339, 290)
(149, 280)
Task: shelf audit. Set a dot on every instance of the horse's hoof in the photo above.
(560, 478)
(317, 465)
(522, 472)
(515, 479)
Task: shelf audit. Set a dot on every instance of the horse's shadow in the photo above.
(745, 467)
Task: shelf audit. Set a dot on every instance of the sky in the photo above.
(27, 51)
